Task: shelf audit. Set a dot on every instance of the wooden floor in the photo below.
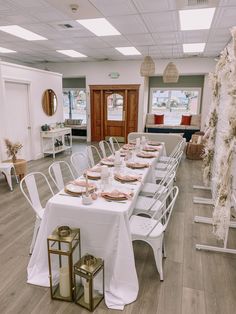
(195, 282)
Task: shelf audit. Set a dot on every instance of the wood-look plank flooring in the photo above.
(195, 282)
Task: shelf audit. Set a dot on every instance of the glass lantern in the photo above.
(63, 249)
(89, 282)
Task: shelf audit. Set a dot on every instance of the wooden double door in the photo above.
(114, 111)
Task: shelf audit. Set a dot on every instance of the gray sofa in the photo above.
(187, 130)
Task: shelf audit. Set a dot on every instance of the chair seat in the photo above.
(160, 174)
(151, 188)
(161, 165)
(144, 203)
(141, 226)
(166, 159)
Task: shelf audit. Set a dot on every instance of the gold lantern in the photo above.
(63, 250)
(89, 282)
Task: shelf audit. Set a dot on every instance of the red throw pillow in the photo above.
(159, 118)
(186, 120)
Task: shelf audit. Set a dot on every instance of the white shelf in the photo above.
(48, 140)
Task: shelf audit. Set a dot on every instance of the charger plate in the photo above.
(145, 155)
(125, 178)
(75, 189)
(153, 143)
(136, 165)
(150, 149)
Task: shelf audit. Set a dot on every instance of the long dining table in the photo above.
(105, 233)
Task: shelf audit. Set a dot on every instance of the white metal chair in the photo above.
(160, 174)
(180, 146)
(6, 168)
(55, 172)
(147, 205)
(93, 155)
(79, 162)
(29, 189)
(165, 165)
(151, 189)
(105, 147)
(113, 141)
(151, 230)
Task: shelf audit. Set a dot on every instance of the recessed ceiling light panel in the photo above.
(128, 51)
(196, 19)
(192, 48)
(5, 50)
(21, 32)
(72, 53)
(100, 27)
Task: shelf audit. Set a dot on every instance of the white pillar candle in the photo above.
(86, 292)
(117, 157)
(104, 172)
(64, 282)
(137, 141)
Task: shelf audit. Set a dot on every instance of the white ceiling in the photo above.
(152, 26)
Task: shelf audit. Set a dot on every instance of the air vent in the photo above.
(65, 26)
(197, 2)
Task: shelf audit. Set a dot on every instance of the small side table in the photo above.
(20, 167)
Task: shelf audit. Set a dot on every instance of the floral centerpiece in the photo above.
(12, 149)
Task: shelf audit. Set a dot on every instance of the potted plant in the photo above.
(12, 149)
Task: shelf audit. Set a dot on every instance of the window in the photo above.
(175, 102)
(74, 104)
(115, 107)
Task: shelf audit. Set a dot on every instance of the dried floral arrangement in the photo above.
(12, 149)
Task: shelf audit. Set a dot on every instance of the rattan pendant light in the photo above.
(171, 73)
(148, 66)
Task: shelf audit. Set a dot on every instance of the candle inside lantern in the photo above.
(86, 177)
(64, 282)
(137, 141)
(117, 157)
(86, 292)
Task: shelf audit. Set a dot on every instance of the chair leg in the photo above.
(36, 229)
(158, 259)
(164, 248)
(9, 181)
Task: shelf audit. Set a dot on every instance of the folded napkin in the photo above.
(137, 165)
(83, 184)
(150, 148)
(117, 194)
(95, 169)
(146, 155)
(128, 146)
(153, 143)
(126, 177)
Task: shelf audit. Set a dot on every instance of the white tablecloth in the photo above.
(105, 233)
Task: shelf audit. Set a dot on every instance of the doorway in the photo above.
(114, 111)
(17, 127)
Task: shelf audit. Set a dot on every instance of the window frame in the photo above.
(199, 89)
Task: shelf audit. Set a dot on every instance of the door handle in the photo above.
(29, 127)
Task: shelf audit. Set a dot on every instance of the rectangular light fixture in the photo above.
(196, 19)
(5, 50)
(72, 53)
(21, 32)
(192, 48)
(99, 26)
(128, 51)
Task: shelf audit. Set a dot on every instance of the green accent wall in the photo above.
(184, 81)
(76, 82)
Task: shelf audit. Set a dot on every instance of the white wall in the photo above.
(98, 73)
(38, 81)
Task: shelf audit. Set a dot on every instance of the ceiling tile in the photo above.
(219, 35)
(154, 5)
(129, 24)
(116, 41)
(166, 38)
(140, 39)
(161, 22)
(224, 17)
(114, 7)
(198, 36)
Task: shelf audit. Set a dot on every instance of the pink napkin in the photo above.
(126, 177)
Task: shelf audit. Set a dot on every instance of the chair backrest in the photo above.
(113, 141)
(105, 147)
(165, 182)
(79, 162)
(93, 153)
(55, 172)
(164, 218)
(28, 184)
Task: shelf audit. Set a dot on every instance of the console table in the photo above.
(48, 140)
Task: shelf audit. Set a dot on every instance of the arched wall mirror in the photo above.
(49, 102)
